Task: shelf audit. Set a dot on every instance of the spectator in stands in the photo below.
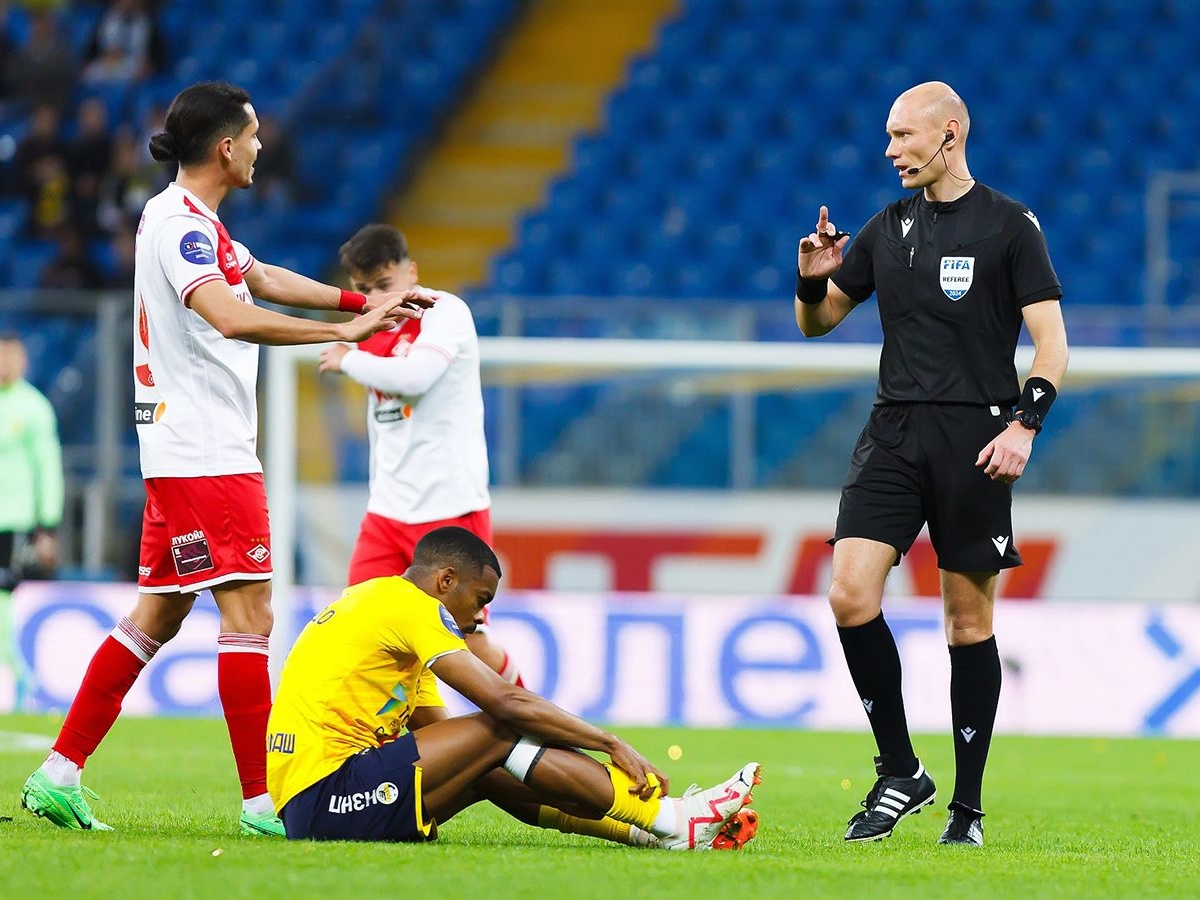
(121, 250)
(89, 157)
(40, 173)
(126, 47)
(71, 268)
(43, 139)
(31, 491)
(50, 202)
(127, 185)
(42, 71)
(275, 171)
(6, 52)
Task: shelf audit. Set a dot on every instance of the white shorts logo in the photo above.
(258, 553)
(387, 793)
(956, 273)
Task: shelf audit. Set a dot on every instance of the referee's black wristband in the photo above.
(811, 290)
(1037, 397)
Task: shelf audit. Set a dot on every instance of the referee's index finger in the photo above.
(822, 220)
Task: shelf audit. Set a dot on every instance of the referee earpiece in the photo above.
(947, 137)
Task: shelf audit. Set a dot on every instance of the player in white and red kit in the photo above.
(429, 465)
(205, 524)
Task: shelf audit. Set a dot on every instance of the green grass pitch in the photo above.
(1067, 817)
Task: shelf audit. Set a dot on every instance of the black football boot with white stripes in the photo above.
(963, 826)
(891, 799)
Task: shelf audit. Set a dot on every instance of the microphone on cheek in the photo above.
(913, 170)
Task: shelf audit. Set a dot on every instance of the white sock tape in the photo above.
(522, 758)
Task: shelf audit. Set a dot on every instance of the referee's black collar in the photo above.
(945, 206)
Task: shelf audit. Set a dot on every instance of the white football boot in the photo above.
(702, 814)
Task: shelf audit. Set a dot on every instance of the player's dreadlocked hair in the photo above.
(456, 547)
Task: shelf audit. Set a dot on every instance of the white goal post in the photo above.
(741, 365)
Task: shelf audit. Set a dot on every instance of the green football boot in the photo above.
(66, 807)
(262, 824)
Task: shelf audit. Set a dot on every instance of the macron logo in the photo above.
(1038, 394)
(905, 226)
(868, 705)
(967, 733)
(1001, 544)
(1034, 219)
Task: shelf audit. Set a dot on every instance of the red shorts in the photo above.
(200, 532)
(385, 546)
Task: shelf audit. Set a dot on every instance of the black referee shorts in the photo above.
(914, 464)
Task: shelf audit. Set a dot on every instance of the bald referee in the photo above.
(956, 267)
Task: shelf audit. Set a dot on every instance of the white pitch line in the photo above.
(22, 742)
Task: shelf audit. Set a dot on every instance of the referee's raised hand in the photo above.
(820, 254)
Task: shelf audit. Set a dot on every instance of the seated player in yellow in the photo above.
(342, 766)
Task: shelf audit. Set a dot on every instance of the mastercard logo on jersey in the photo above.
(197, 248)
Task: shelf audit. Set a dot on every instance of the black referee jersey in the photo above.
(951, 280)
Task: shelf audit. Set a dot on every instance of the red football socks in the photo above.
(113, 670)
(245, 689)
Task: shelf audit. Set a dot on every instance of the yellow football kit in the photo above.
(353, 679)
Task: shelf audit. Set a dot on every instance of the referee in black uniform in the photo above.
(956, 268)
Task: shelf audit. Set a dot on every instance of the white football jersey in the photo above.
(194, 390)
(428, 453)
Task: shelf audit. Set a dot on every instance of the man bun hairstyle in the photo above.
(372, 247)
(198, 117)
(455, 547)
(163, 147)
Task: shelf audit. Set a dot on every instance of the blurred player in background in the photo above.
(205, 526)
(956, 267)
(342, 767)
(429, 464)
(31, 492)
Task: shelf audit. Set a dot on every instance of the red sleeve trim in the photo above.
(248, 266)
(190, 289)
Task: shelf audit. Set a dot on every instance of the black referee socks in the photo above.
(874, 664)
(974, 696)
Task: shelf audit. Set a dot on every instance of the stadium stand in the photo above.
(776, 108)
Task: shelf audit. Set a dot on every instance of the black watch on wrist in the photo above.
(1029, 419)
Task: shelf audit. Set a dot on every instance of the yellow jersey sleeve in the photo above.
(427, 691)
(422, 629)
